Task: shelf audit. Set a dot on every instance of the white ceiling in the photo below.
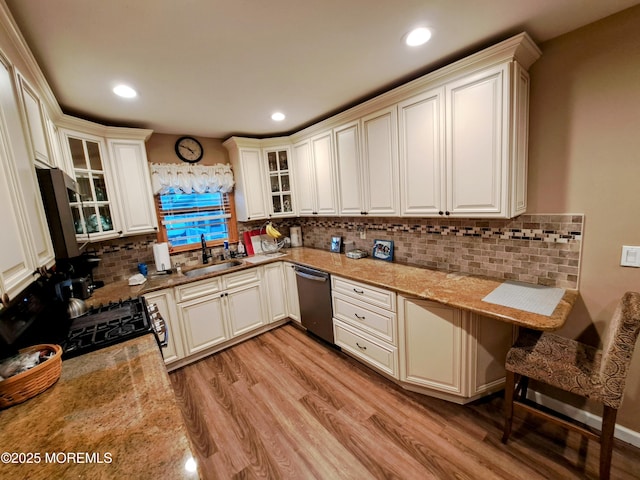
(214, 68)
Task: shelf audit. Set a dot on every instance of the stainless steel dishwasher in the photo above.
(314, 292)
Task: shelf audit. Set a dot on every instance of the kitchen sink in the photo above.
(216, 267)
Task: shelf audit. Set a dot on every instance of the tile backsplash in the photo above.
(540, 249)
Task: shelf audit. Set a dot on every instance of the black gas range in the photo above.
(110, 324)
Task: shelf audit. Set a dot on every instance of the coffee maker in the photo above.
(76, 277)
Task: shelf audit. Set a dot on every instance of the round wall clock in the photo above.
(189, 149)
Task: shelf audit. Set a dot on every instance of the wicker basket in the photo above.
(36, 380)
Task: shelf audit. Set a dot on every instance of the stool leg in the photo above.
(606, 441)
(509, 389)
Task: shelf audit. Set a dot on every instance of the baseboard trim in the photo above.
(622, 433)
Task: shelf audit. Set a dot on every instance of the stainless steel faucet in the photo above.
(205, 256)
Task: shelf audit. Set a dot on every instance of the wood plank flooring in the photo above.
(282, 405)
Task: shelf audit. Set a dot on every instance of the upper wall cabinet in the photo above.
(263, 174)
(128, 162)
(450, 143)
(36, 124)
(421, 121)
(94, 212)
(115, 196)
(315, 176)
(463, 146)
(279, 181)
(367, 163)
(25, 243)
(249, 176)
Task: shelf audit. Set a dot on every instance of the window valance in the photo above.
(186, 178)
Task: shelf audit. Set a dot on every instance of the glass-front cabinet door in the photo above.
(91, 207)
(280, 189)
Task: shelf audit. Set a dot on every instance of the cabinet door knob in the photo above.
(440, 212)
(447, 213)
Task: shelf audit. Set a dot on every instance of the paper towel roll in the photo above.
(161, 256)
(296, 236)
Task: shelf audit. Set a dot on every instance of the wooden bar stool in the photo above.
(572, 366)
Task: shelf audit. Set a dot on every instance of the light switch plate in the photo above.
(630, 256)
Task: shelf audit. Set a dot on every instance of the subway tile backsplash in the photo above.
(532, 248)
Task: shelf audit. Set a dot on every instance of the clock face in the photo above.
(189, 149)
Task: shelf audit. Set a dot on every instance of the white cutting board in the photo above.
(524, 296)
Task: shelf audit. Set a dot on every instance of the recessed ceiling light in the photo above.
(418, 36)
(125, 91)
(278, 117)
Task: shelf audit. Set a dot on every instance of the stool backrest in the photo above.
(618, 348)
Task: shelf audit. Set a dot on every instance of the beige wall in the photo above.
(161, 149)
(584, 157)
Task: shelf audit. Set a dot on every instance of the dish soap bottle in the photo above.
(241, 251)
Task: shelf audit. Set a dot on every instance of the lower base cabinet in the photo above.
(167, 307)
(203, 321)
(291, 287)
(276, 291)
(245, 308)
(448, 353)
(380, 355)
(235, 306)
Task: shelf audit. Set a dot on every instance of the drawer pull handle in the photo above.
(359, 317)
(360, 346)
(359, 292)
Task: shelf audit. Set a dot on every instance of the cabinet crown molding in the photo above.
(92, 128)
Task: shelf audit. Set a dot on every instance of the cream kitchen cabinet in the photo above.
(463, 146)
(279, 181)
(380, 163)
(276, 291)
(165, 302)
(36, 125)
(293, 302)
(365, 325)
(422, 169)
(115, 195)
(315, 176)
(203, 322)
(94, 211)
(213, 311)
(249, 174)
(263, 174)
(448, 353)
(133, 193)
(367, 164)
(26, 243)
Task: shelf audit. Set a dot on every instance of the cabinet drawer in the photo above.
(244, 277)
(376, 321)
(379, 355)
(366, 293)
(197, 289)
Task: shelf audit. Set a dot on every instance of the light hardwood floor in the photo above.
(282, 405)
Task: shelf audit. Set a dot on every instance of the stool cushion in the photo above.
(558, 361)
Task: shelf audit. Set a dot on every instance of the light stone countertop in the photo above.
(114, 406)
(454, 289)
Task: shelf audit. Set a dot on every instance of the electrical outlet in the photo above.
(363, 235)
(630, 256)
